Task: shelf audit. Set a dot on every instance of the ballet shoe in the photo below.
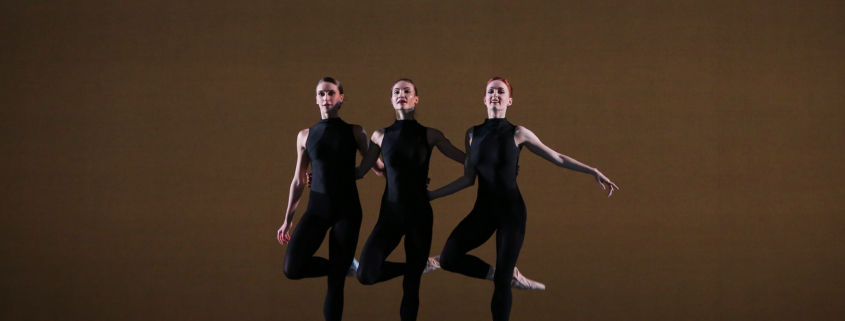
(519, 281)
(353, 269)
(432, 264)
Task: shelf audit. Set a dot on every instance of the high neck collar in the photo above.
(495, 120)
(331, 120)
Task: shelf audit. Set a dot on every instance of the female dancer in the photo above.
(493, 152)
(406, 147)
(405, 210)
(329, 146)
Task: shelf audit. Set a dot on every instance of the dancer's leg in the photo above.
(473, 231)
(417, 249)
(373, 268)
(300, 261)
(509, 239)
(343, 239)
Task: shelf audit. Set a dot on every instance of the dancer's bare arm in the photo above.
(525, 137)
(297, 186)
(467, 180)
(436, 138)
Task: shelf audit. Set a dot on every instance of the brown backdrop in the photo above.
(147, 151)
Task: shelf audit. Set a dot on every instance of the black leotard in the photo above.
(405, 210)
(498, 208)
(333, 204)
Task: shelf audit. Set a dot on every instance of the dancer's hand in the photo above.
(602, 180)
(284, 233)
(378, 167)
(308, 179)
(379, 171)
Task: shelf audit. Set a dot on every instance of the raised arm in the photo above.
(436, 138)
(363, 148)
(467, 180)
(297, 186)
(525, 137)
(371, 159)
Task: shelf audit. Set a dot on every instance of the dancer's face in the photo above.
(403, 96)
(327, 95)
(497, 96)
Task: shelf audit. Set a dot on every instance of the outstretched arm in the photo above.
(371, 159)
(467, 180)
(363, 148)
(297, 186)
(445, 146)
(523, 136)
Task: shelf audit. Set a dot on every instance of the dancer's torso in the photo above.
(331, 146)
(406, 154)
(495, 156)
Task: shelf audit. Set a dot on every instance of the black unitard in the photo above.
(405, 210)
(498, 208)
(333, 204)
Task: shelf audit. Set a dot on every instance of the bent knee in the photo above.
(292, 272)
(448, 262)
(366, 277)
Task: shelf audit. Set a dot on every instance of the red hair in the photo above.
(510, 89)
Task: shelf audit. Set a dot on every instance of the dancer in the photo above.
(493, 152)
(405, 210)
(329, 147)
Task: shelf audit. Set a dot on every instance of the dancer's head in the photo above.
(329, 91)
(498, 94)
(404, 95)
